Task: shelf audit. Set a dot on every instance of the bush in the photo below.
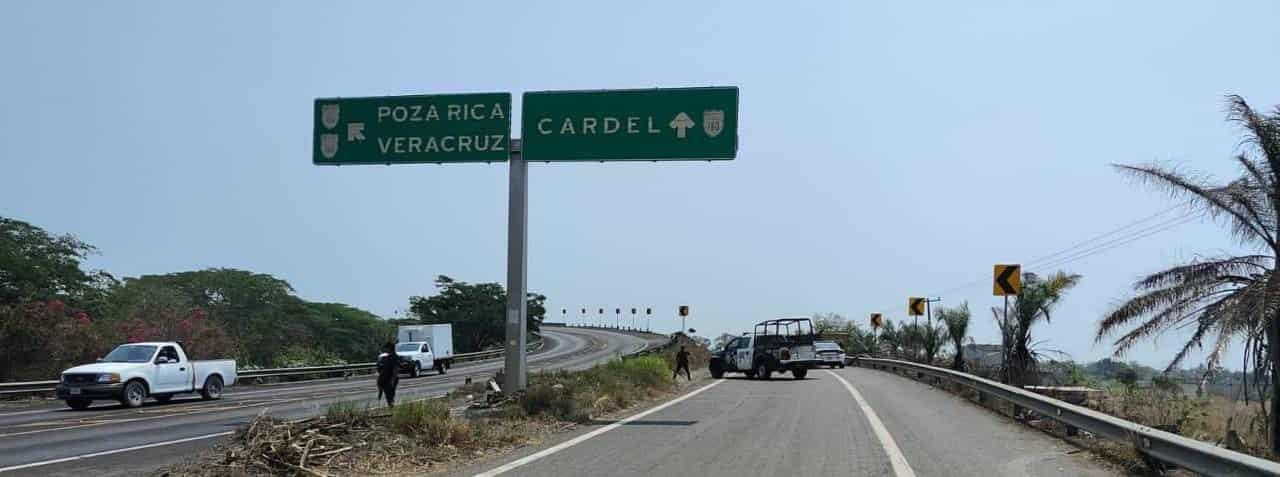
(576, 396)
(297, 356)
(429, 422)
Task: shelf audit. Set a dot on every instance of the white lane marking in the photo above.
(899, 462)
(116, 451)
(577, 440)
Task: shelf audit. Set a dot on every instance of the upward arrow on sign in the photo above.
(680, 123)
(1008, 280)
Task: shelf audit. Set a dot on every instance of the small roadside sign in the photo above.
(684, 310)
(1008, 280)
(876, 320)
(915, 306)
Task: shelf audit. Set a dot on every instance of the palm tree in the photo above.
(892, 339)
(1038, 297)
(1223, 298)
(932, 336)
(957, 323)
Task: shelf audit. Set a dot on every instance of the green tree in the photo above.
(47, 302)
(829, 323)
(1039, 296)
(258, 311)
(477, 311)
(956, 321)
(1227, 297)
(37, 265)
(349, 333)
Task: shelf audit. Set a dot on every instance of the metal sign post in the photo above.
(517, 271)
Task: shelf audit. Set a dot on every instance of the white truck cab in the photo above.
(132, 372)
(416, 356)
(782, 345)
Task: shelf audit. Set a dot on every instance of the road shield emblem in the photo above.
(329, 115)
(713, 122)
(328, 145)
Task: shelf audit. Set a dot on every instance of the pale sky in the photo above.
(885, 150)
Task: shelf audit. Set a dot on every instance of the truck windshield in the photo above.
(406, 347)
(130, 354)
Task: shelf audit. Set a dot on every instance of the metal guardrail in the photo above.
(50, 386)
(1167, 447)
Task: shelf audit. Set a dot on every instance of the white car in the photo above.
(830, 353)
(133, 372)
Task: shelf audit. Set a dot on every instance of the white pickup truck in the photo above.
(132, 372)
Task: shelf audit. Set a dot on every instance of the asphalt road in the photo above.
(738, 427)
(110, 440)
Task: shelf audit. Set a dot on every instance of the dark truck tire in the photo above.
(717, 370)
(762, 371)
(440, 367)
(134, 393)
(800, 373)
(212, 389)
(415, 370)
(79, 404)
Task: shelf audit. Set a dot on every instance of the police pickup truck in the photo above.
(133, 372)
(775, 346)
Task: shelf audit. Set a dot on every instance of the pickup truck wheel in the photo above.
(413, 372)
(440, 367)
(134, 393)
(799, 373)
(163, 398)
(762, 371)
(79, 404)
(212, 388)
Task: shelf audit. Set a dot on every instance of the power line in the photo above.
(1122, 241)
(1090, 247)
(1113, 232)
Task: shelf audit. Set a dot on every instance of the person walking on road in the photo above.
(682, 362)
(388, 373)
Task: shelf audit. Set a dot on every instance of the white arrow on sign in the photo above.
(355, 131)
(680, 123)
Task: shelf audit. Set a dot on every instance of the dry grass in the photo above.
(417, 436)
(424, 436)
(1209, 419)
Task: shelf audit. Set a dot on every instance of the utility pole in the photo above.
(515, 377)
(929, 317)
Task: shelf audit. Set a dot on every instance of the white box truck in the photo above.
(423, 347)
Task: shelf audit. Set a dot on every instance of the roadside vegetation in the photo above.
(54, 313)
(1228, 298)
(435, 435)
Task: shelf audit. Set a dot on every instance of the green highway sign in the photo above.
(630, 125)
(412, 129)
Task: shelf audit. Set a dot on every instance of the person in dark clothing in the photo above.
(388, 373)
(682, 362)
